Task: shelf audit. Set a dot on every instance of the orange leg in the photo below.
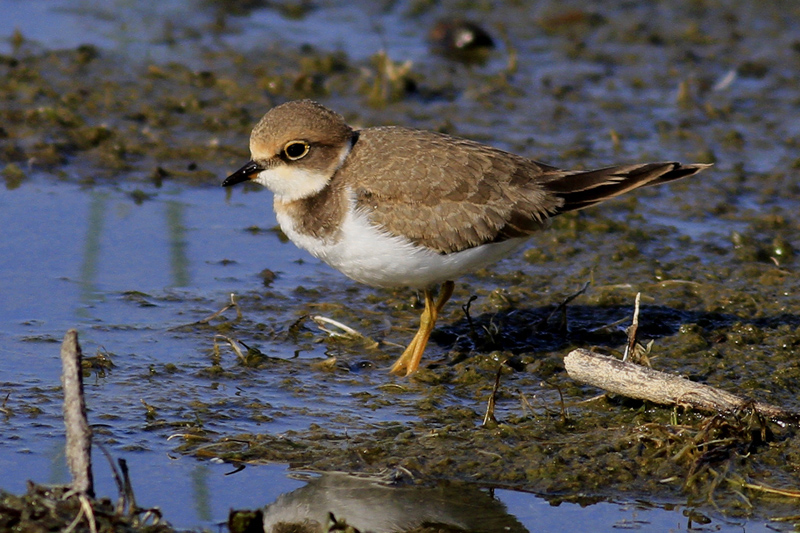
(409, 361)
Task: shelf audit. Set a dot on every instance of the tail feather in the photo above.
(581, 189)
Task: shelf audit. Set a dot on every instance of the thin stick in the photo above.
(117, 478)
(629, 348)
(79, 435)
(562, 307)
(233, 346)
(327, 324)
(636, 381)
(126, 480)
(489, 416)
(233, 305)
(86, 506)
(473, 334)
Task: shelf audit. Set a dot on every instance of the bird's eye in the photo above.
(294, 150)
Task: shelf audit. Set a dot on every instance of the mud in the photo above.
(714, 256)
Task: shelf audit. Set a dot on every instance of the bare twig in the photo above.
(126, 483)
(473, 334)
(336, 329)
(564, 414)
(633, 329)
(85, 510)
(608, 327)
(636, 381)
(562, 307)
(758, 487)
(86, 507)
(489, 416)
(234, 346)
(233, 305)
(117, 478)
(75, 521)
(79, 435)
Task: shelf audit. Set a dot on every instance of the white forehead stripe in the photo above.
(290, 182)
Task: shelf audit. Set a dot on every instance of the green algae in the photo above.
(722, 308)
(56, 508)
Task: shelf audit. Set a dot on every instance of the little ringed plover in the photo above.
(397, 207)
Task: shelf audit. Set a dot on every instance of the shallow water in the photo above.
(134, 265)
(70, 256)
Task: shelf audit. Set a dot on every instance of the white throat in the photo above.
(290, 183)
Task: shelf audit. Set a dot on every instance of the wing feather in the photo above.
(451, 194)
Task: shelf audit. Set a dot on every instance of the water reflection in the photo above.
(177, 244)
(373, 504)
(96, 249)
(201, 493)
(59, 473)
(92, 247)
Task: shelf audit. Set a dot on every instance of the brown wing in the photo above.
(417, 184)
(585, 188)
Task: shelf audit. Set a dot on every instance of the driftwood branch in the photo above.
(79, 435)
(643, 383)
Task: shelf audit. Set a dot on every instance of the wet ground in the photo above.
(118, 123)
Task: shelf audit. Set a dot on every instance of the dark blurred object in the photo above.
(267, 276)
(572, 18)
(290, 9)
(383, 504)
(461, 40)
(237, 8)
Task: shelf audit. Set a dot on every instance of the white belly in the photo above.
(374, 257)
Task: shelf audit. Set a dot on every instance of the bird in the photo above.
(392, 207)
(385, 502)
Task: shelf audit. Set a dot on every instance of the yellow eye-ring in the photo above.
(295, 150)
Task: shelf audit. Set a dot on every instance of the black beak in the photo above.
(245, 173)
